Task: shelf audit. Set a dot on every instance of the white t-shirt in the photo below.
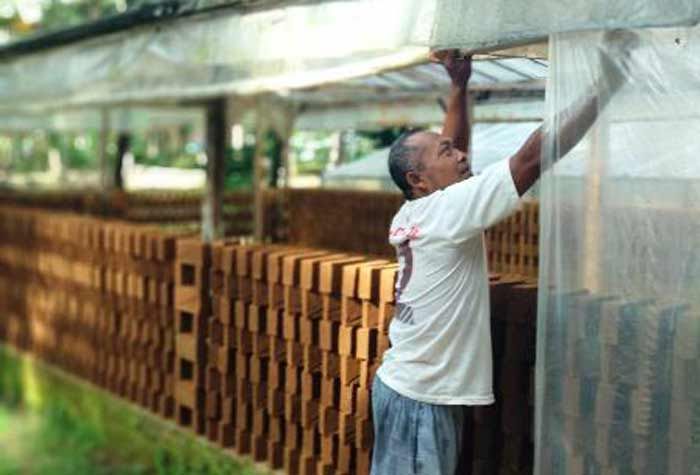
(440, 333)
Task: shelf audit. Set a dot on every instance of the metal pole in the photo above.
(104, 139)
(216, 126)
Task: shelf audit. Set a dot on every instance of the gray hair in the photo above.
(401, 161)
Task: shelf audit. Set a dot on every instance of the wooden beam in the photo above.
(216, 128)
(259, 182)
(105, 178)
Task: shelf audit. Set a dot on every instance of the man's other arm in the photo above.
(573, 121)
(456, 124)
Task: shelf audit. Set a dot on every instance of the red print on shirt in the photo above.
(410, 233)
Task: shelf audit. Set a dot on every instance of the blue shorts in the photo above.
(413, 438)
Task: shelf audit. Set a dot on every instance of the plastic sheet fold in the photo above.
(618, 390)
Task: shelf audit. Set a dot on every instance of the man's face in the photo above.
(438, 164)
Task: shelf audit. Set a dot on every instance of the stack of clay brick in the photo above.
(499, 438)
(278, 363)
(357, 221)
(513, 244)
(94, 297)
(622, 386)
(267, 350)
(321, 218)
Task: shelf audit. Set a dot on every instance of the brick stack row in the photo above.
(499, 438)
(622, 372)
(288, 345)
(267, 350)
(513, 244)
(94, 297)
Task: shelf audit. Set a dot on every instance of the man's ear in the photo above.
(415, 180)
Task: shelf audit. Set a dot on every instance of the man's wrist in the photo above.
(460, 87)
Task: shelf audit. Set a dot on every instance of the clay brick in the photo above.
(277, 429)
(328, 421)
(311, 305)
(350, 311)
(293, 436)
(310, 270)
(291, 266)
(331, 275)
(330, 364)
(370, 280)
(213, 405)
(329, 449)
(364, 434)
(278, 349)
(274, 321)
(331, 308)
(275, 262)
(227, 435)
(310, 386)
(244, 259)
(193, 251)
(312, 359)
(275, 402)
(293, 380)
(244, 441)
(291, 461)
(346, 429)
(350, 280)
(295, 354)
(309, 414)
(257, 319)
(329, 332)
(292, 409)
(370, 314)
(366, 348)
(363, 403)
(348, 398)
(347, 340)
(240, 316)
(346, 455)
(363, 459)
(290, 330)
(367, 371)
(275, 454)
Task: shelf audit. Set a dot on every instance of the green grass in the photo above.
(53, 425)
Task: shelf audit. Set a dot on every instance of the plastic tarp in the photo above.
(296, 45)
(618, 344)
(227, 53)
(368, 116)
(490, 143)
(484, 24)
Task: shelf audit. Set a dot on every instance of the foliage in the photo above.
(72, 428)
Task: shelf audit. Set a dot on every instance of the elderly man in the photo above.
(440, 359)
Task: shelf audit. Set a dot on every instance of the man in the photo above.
(440, 359)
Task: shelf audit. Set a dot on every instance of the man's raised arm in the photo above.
(575, 120)
(457, 124)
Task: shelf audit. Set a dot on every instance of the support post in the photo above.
(123, 147)
(258, 182)
(600, 136)
(104, 139)
(216, 126)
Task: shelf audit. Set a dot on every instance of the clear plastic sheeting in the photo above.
(225, 53)
(482, 25)
(618, 358)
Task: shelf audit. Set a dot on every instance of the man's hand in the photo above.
(615, 56)
(458, 66)
(456, 124)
